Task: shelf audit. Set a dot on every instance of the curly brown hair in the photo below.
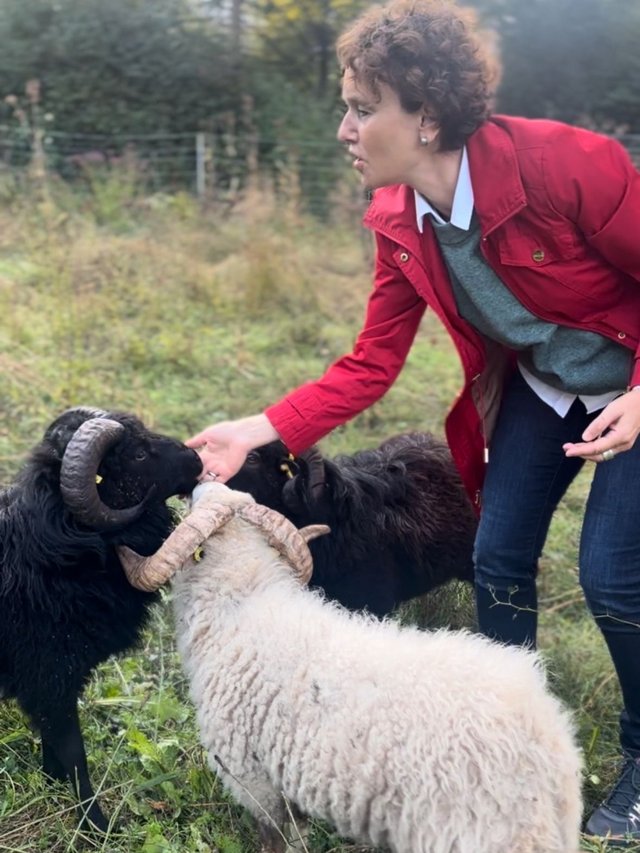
(432, 54)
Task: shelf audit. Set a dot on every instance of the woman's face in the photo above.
(382, 137)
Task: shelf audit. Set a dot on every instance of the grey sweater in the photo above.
(573, 360)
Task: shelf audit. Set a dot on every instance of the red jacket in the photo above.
(559, 211)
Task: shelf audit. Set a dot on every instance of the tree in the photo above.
(577, 62)
(121, 66)
(298, 37)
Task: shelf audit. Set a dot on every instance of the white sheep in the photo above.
(421, 742)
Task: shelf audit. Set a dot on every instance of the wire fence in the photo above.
(214, 165)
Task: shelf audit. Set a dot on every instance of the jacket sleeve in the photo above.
(355, 381)
(593, 182)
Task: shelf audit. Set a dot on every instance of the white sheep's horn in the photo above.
(285, 537)
(313, 531)
(150, 573)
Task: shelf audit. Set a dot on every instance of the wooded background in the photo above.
(84, 82)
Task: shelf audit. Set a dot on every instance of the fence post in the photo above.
(201, 182)
(37, 166)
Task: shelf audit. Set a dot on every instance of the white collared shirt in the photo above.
(462, 208)
(461, 213)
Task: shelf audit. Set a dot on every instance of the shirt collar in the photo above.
(462, 208)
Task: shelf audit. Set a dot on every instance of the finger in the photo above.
(212, 465)
(587, 450)
(197, 440)
(208, 460)
(597, 427)
(214, 477)
(209, 476)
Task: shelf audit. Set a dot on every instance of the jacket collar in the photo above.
(495, 177)
(495, 173)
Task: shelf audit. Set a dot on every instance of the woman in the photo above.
(523, 237)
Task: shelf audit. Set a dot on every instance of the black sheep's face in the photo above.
(142, 462)
(307, 497)
(110, 466)
(265, 474)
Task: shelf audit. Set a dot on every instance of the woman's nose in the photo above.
(346, 129)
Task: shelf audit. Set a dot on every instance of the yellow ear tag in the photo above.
(286, 467)
(198, 554)
(98, 478)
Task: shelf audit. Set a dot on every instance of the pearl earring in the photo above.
(424, 140)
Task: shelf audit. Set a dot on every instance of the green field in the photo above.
(188, 314)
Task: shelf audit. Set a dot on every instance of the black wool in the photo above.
(65, 603)
(401, 523)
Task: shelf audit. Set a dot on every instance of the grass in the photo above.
(186, 315)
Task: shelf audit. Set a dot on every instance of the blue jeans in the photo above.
(527, 475)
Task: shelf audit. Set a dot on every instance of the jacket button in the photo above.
(622, 335)
(404, 257)
(538, 255)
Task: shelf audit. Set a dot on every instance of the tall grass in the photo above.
(186, 315)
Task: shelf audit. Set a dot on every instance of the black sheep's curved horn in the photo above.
(78, 470)
(89, 412)
(60, 431)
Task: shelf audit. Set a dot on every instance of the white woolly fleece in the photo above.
(421, 742)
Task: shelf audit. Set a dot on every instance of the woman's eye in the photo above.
(362, 113)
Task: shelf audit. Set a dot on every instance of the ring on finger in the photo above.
(211, 475)
(607, 455)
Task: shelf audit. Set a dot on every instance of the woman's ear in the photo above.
(428, 129)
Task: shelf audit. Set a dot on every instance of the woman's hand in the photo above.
(223, 447)
(614, 430)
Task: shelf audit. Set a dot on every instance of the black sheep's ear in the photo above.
(306, 493)
(315, 474)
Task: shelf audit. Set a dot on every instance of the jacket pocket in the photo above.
(532, 252)
(573, 267)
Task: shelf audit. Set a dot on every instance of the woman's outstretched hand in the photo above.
(614, 430)
(223, 447)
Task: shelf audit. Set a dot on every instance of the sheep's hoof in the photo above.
(297, 831)
(92, 820)
(271, 841)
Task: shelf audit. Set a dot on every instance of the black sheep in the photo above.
(97, 480)
(401, 523)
